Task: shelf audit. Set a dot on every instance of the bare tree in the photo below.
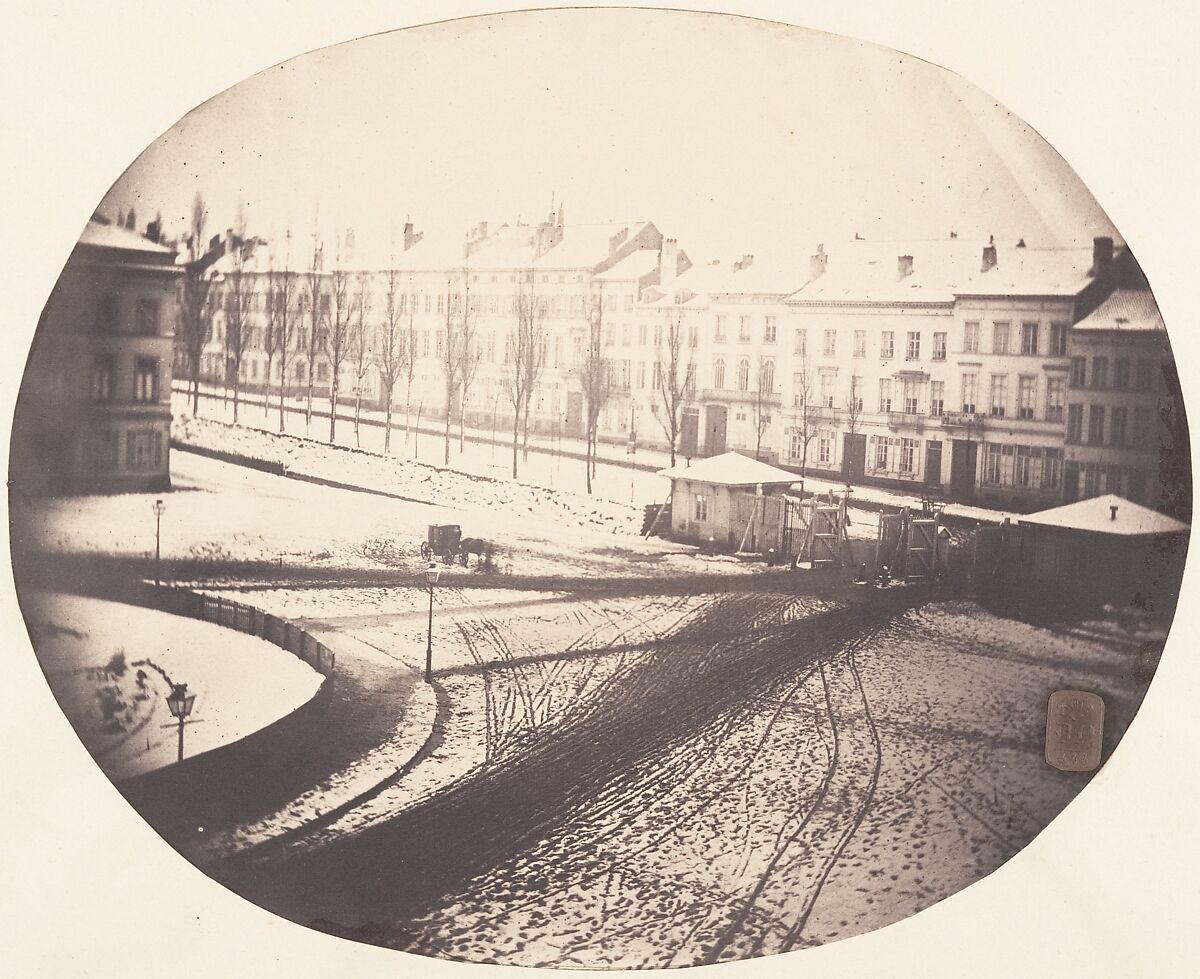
(338, 336)
(449, 349)
(524, 351)
(410, 366)
(854, 407)
(672, 372)
(393, 351)
(468, 359)
(239, 304)
(594, 379)
(315, 301)
(361, 347)
(802, 389)
(281, 321)
(197, 303)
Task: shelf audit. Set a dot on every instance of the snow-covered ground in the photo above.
(107, 665)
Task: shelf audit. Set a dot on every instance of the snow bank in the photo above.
(118, 709)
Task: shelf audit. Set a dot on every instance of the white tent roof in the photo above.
(730, 469)
(1096, 515)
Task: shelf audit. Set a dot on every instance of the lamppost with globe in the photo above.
(180, 702)
(159, 509)
(431, 577)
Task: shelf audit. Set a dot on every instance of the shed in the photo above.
(1105, 550)
(705, 496)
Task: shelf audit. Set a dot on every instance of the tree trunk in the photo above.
(196, 390)
(446, 434)
(417, 433)
(407, 410)
(587, 461)
(267, 393)
(236, 393)
(387, 422)
(357, 413)
(308, 404)
(282, 396)
(516, 437)
(333, 396)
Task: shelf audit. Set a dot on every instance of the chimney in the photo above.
(1102, 256)
(482, 230)
(904, 266)
(1112, 513)
(818, 262)
(668, 261)
(989, 255)
(744, 263)
(616, 241)
(411, 238)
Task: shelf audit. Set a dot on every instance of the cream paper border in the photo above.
(1108, 890)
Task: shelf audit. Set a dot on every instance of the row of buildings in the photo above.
(1016, 376)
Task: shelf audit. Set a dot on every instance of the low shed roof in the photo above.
(730, 469)
(1098, 516)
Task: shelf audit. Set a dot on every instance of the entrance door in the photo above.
(575, 415)
(1071, 482)
(689, 432)
(716, 424)
(963, 458)
(933, 463)
(854, 457)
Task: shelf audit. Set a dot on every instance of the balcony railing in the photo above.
(962, 419)
(906, 419)
(734, 395)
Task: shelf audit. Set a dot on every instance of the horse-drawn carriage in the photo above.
(447, 542)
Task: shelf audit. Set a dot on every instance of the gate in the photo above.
(921, 557)
(826, 538)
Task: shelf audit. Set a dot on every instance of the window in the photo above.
(993, 465)
(629, 302)
(939, 346)
(909, 392)
(1074, 424)
(912, 350)
(641, 379)
(769, 329)
(1078, 372)
(626, 335)
(743, 375)
(701, 510)
(887, 345)
(766, 376)
(610, 335)
(796, 443)
(1000, 332)
(103, 449)
(828, 389)
(145, 379)
(885, 394)
(1026, 395)
(883, 446)
(800, 342)
(689, 379)
(1121, 373)
(1116, 431)
(693, 335)
(744, 328)
(102, 379)
(1096, 425)
(908, 456)
(1145, 374)
(937, 398)
(1058, 339)
(143, 450)
(825, 448)
(998, 402)
(106, 314)
(1099, 372)
(970, 393)
(1141, 426)
(147, 317)
(718, 331)
(971, 337)
(831, 343)
(1029, 338)
(322, 371)
(856, 401)
(718, 377)
(860, 343)
(1056, 393)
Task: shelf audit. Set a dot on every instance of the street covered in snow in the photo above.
(632, 754)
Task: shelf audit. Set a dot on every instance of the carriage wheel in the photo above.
(426, 551)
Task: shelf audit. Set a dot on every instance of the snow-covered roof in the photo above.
(869, 271)
(1097, 516)
(632, 267)
(730, 469)
(586, 245)
(1125, 310)
(100, 235)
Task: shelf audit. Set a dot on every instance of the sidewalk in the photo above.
(553, 462)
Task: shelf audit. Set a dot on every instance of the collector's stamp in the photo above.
(1074, 730)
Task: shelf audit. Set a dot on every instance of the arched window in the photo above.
(766, 377)
(719, 372)
(743, 379)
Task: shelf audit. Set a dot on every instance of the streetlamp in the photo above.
(431, 577)
(159, 509)
(180, 702)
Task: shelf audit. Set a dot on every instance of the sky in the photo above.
(732, 135)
